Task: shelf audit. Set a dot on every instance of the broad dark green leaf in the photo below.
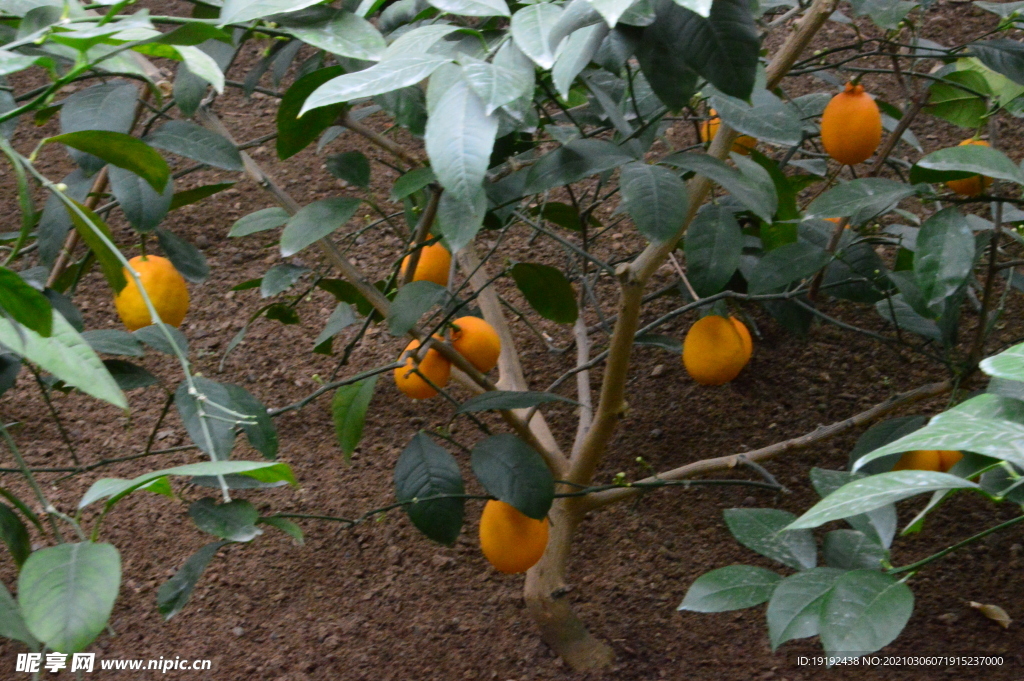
(507, 399)
(760, 199)
(190, 196)
(411, 182)
(761, 530)
(425, 469)
(342, 33)
(294, 133)
(515, 473)
(261, 220)
(531, 29)
(280, 278)
(283, 313)
(391, 73)
(154, 336)
(853, 550)
(286, 526)
(340, 319)
(197, 143)
(129, 376)
(351, 166)
(14, 534)
(316, 221)
(185, 257)
(259, 429)
(863, 612)
(144, 207)
(241, 11)
(785, 265)
(104, 106)
(66, 593)
(730, 588)
(113, 342)
(24, 304)
(233, 520)
(547, 290)
(459, 220)
(173, 594)
(963, 161)
(944, 256)
(859, 199)
(714, 244)
(1002, 55)
(459, 139)
(411, 302)
(215, 436)
(348, 408)
(960, 98)
(572, 162)
(121, 150)
(794, 610)
(55, 223)
(656, 199)
(10, 367)
(12, 624)
(766, 118)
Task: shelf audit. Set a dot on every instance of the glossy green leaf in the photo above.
(14, 535)
(144, 207)
(411, 302)
(113, 342)
(795, 608)
(547, 290)
(341, 33)
(185, 257)
(572, 162)
(965, 161)
(730, 588)
(473, 8)
(173, 594)
(868, 196)
(239, 11)
(232, 520)
(853, 550)
(154, 336)
(121, 150)
(316, 221)
(295, 132)
(863, 612)
(190, 196)
(766, 118)
(787, 264)
(714, 244)
(12, 624)
(944, 256)
(350, 166)
(389, 74)
(260, 221)
(340, 319)
(531, 29)
(89, 227)
(761, 530)
(656, 199)
(24, 304)
(197, 143)
(425, 469)
(515, 473)
(1002, 55)
(348, 409)
(460, 140)
(758, 198)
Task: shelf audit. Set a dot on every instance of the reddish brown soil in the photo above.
(381, 602)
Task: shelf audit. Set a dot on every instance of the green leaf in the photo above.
(410, 183)
(459, 221)
(153, 336)
(459, 141)
(114, 489)
(507, 399)
(211, 428)
(350, 166)
(121, 150)
(14, 534)
(572, 162)
(341, 33)
(656, 199)
(864, 611)
(786, 264)
(190, 196)
(260, 221)
(142, 206)
(389, 74)
(944, 256)
(12, 624)
(295, 133)
(129, 376)
(759, 199)
(473, 8)
(795, 608)
(280, 278)
(424, 469)
(866, 494)
(859, 199)
(240, 11)
(283, 313)
(233, 520)
(957, 105)
(510, 77)
(531, 29)
(964, 161)
(1008, 364)
(882, 434)
(575, 53)
(87, 228)
(173, 594)
(24, 304)
(411, 302)
(761, 530)
(66, 593)
(1003, 56)
(197, 143)
(66, 355)
(730, 588)
(316, 221)
(879, 524)
(340, 319)
(547, 290)
(348, 408)
(105, 106)
(259, 429)
(286, 526)
(611, 10)
(113, 342)
(853, 550)
(515, 473)
(767, 118)
(714, 244)
(185, 257)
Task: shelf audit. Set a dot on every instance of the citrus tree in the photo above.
(556, 120)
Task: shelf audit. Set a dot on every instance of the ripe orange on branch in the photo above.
(716, 349)
(433, 365)
(434, 265)
(477, 341)
(974, 185)
(164, 285)
(744, 144)
(851, 126)
(511, 541)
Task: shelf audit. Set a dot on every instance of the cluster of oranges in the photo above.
(472, 337)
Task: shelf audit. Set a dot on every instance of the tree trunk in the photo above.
(545, 597)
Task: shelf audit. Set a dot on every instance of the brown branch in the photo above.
(396, 150)
(99, 185)
(426, 221)
(820, 434)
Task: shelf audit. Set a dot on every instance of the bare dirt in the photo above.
(380, 601)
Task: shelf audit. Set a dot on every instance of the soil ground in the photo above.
(380, 601)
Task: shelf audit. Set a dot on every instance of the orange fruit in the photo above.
(744, 144)
(851, 126)
(477, 341)
(511, 541)
(919, 460)
(433, 365)
(748, 342)
(971, 186)
(948, 458)
(714, 351)
(434, 264)
(166, 290)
